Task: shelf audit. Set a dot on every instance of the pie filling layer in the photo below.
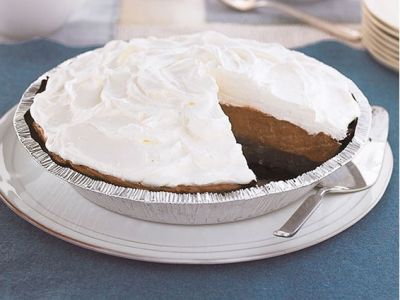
(191, 113)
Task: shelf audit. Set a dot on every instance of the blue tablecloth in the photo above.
(361, 262)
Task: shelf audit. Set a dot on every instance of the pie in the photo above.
(193, 113)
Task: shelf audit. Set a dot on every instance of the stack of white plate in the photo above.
(381, 31)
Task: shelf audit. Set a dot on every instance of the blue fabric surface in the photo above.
(361, 262)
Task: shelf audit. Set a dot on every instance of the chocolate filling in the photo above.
(279, 150)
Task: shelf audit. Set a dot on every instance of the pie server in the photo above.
(357, 175)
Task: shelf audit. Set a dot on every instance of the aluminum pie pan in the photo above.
(193, 208)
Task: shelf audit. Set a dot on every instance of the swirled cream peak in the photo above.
(148, 110)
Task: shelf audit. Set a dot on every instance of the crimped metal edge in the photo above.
(360, 136)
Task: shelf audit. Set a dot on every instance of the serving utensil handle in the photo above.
(301, 215)
(339, 31)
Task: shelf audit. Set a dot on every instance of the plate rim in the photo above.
(367, 14)
(383, 59)
(371, 42)
(387, 41)
(366, 3)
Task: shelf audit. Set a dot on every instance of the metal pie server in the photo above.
(357, 175)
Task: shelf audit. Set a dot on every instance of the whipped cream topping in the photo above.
(148, 110)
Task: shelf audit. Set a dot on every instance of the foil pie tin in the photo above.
(199, 208)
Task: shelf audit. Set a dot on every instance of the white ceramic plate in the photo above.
(392, 48)
(384, 40)
(387, 11)
(380, 55)
(371, 40)
(52, 205)
(378, 25)
(381, 41)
